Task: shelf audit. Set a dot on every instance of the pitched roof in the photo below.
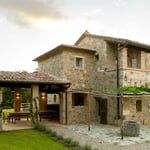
(113, 40)
(85, 34)
(59, 48)
(26, 77)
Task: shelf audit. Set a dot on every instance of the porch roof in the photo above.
(25, 79)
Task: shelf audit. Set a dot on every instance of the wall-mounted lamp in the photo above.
(17, 95)
(43, 95)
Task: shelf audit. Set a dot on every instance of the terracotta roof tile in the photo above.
(29, 77)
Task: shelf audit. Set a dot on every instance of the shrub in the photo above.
(6, 107)
(53, 134)
(60, 137)
(67, 140)
(36, 126)
(74, 143)
(87, 147)
(48, 131)
(40, 127)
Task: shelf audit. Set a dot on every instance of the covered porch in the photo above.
(43, 86)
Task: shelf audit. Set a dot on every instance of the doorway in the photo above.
(102, 110)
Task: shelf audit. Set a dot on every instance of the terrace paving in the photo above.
(100, 137)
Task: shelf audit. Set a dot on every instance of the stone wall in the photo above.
(63, 65)
(99, 73)
(52, 65)
(130, 112)
(80, 114)
(136, 77)
(112, 110)
(147, 61)
(81, 79)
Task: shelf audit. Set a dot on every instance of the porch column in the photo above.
(1, 95)
(1, 117)
(143, 60)
(89, 110)
(123, 58)
(62, 108)
(35, 92)
(17, 100)
(69, 107)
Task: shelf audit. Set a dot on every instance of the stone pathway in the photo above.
(111, 134)
(104, 137)
(100, 137)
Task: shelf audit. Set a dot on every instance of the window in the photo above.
(52, 99)
(138, 105)
(133, 63)
(79, 62)
(78, 99)
(97, 56)
(134, 57)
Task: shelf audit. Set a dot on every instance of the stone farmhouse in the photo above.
(94, 65)
(81, 83)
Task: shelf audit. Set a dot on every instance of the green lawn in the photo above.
(27, 140)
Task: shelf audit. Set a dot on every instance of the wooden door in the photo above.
(102, 109)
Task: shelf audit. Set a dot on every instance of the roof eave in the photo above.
(115, 40)
(60, 47)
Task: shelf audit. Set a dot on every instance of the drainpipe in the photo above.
(118, 83)
(120, 47)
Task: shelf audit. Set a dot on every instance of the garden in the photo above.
(38, 138)
(28, 139)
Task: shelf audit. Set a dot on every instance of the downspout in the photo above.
(120, 47)
(118, 84)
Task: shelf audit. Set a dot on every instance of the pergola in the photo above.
(47, 83)
(38, 82)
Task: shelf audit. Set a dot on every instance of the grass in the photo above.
(59, 138)
(28, 139)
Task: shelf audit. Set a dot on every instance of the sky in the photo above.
(29, 28)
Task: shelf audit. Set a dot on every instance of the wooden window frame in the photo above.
(138, 105)
(79, 62)
(78, 99)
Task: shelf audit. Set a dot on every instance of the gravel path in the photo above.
(104, 137)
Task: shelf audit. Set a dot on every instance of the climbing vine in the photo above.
(35, 110)
(131, 89)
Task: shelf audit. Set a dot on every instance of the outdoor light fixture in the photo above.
(17, 96)
(43, 95)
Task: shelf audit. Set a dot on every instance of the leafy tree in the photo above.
(25, 95)
(8, 97)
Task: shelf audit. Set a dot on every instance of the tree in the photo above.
(8, 96)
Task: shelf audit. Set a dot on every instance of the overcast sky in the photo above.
(29, 28)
